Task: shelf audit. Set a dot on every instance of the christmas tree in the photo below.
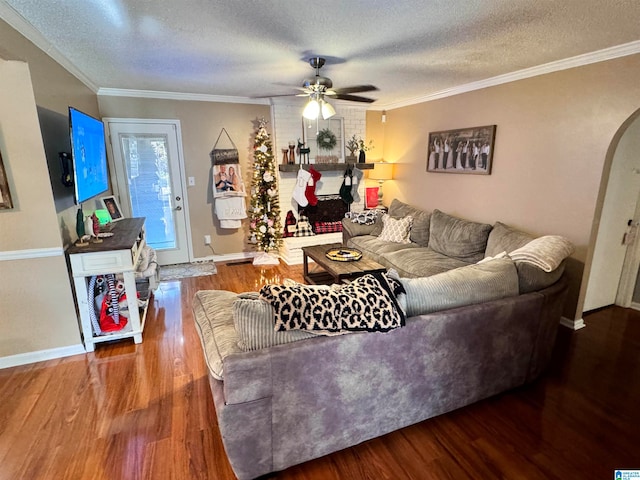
(265, 229)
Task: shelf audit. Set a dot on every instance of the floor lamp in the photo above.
(382, 171)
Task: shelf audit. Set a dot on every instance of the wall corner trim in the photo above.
(572, 324)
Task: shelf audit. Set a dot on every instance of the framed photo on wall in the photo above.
(5, 194)
(465, 150)
(112, 206)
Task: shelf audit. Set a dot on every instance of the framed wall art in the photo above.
(112, 206)
(465, 150)
(5, 194)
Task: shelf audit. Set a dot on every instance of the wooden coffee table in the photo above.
(332, 271)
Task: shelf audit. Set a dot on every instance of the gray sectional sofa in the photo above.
(283, 398)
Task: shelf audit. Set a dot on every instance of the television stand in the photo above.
(118, 254)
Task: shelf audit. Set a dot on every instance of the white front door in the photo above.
(147, 157)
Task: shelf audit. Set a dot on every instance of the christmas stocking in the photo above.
(301, 186)
(310, 191)
(355, 182)
(345, 189)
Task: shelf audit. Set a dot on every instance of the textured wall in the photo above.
(552, 141)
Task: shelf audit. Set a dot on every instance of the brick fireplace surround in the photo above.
(329, 184)
(287, 126)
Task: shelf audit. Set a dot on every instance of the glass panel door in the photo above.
(147, 166)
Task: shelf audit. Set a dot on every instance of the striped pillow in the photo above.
(255, 323)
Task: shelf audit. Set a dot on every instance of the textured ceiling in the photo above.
(408, 49)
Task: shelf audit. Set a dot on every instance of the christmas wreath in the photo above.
(326, 139)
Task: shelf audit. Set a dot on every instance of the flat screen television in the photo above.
(89, 155)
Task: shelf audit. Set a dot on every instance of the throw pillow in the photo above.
(421, 221)
(255, 325)
(504, 238)
(368, 303)
(368, 217)
(303, 228)
(462, 286)
(396, 230)
(458, 238)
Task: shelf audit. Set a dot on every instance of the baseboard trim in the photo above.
(572, 324)
(40, 356)
(225, 257)
(31, 253)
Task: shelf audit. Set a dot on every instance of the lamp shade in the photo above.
(312, 110)
(382, 171)
(327, 110)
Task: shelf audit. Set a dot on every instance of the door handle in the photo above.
(178, 198)
(178, 208)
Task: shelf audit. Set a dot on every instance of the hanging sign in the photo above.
(227, 175)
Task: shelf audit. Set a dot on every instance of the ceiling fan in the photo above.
(319, 87)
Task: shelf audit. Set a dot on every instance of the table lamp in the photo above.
(382, 171)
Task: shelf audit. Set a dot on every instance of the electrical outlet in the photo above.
(207, 239)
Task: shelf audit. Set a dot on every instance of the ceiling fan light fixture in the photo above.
(327, 110)
(312, 110)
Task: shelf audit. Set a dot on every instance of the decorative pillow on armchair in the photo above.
(396, 230)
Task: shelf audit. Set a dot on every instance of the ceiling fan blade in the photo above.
(305, 92)
(353, 98)
(355, 89)
(280, 95)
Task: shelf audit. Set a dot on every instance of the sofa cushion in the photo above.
(531, 277)
(376, 249)
(396, 230)
(420, 262)
(421, 221)
(458, 238)
(504, 238)
(368, 303)
(255, 324)
(467, 285)
(213, 314)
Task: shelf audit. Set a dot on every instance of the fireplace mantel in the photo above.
(324, 167)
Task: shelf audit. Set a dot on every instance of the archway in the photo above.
(617, 199)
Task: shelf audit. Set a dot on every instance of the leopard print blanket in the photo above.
(366, 304)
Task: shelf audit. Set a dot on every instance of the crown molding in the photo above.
(195, 97)
(18, 22)
(611, 53)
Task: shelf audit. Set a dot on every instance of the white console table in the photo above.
(116, 254)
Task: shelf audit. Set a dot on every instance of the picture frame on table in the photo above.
(111, 204)
(371, 198)
(464, 150)
(5, 194)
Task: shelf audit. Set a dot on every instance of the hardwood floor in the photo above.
(145, 411)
